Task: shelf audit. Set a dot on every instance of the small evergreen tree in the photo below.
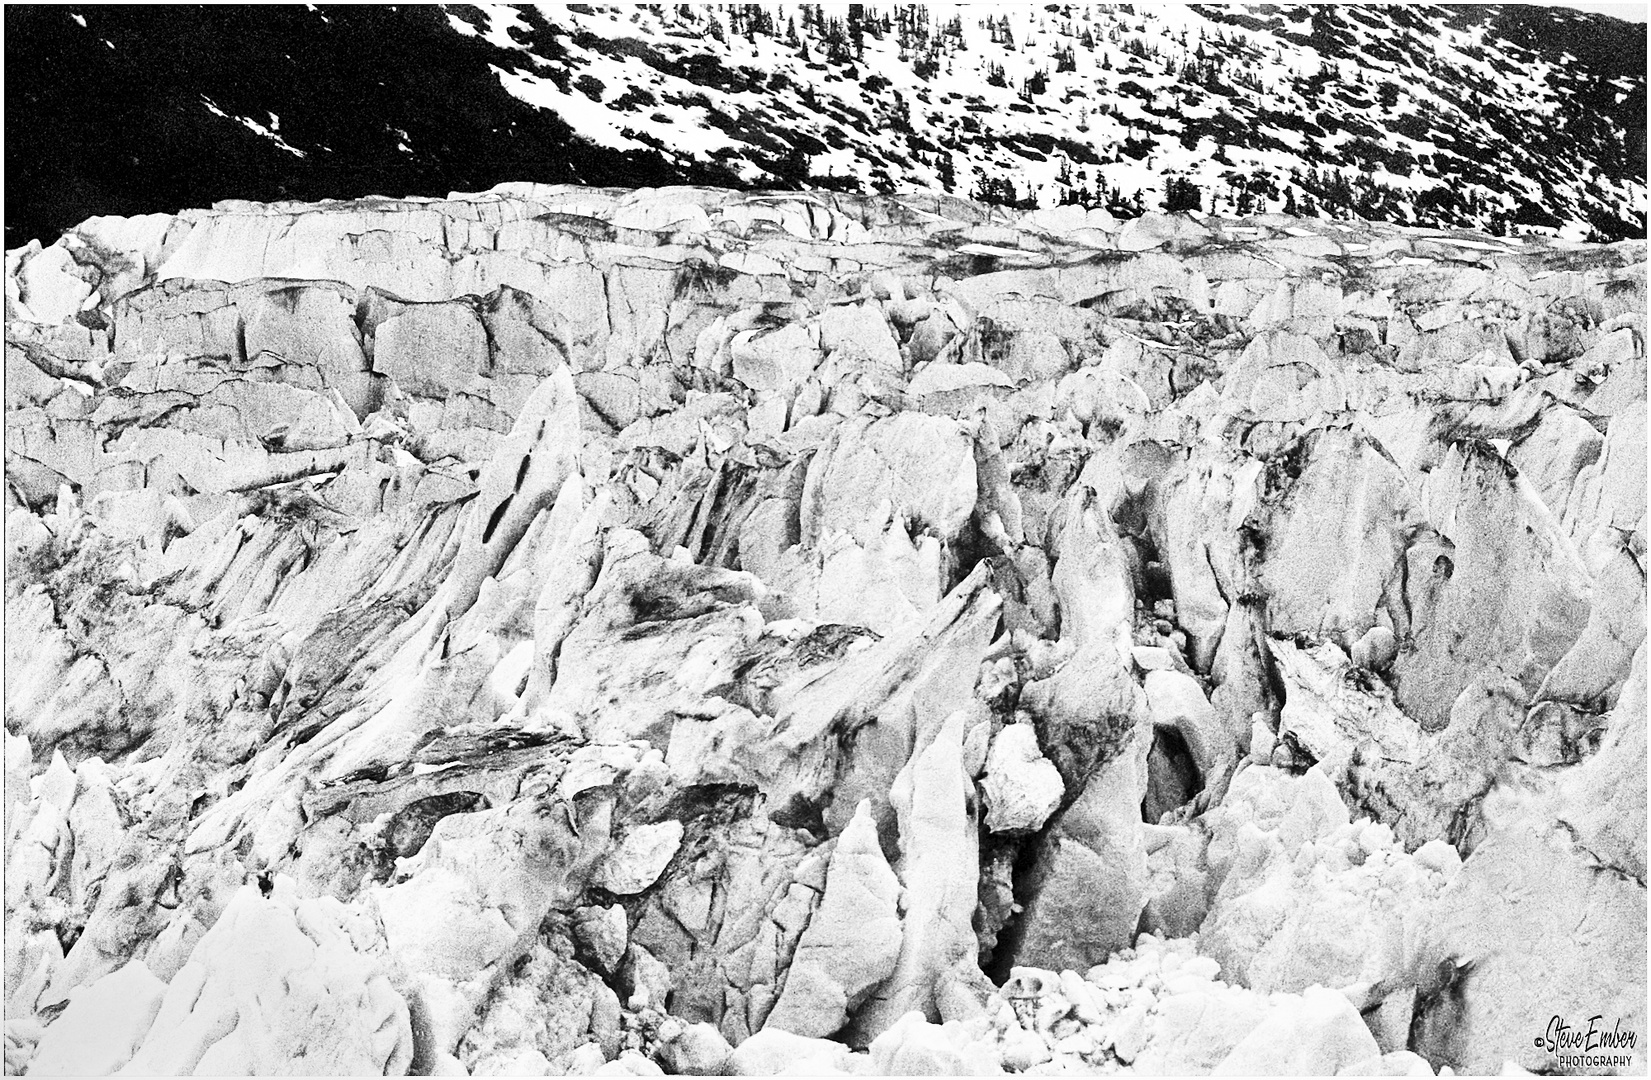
(925, 65)
(1181, 194)
(857, 30)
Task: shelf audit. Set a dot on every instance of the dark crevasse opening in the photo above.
(1000, 965)
(1172, 776)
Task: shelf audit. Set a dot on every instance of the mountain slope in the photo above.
(1485, 116)
(114, 118)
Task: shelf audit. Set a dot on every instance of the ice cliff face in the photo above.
(583, 630)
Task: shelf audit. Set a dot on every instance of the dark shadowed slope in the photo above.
(112, 117)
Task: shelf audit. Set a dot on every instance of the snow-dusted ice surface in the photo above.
(938, 540)
(558, 630)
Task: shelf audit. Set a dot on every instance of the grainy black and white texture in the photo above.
(1496, 118)
(1166, 597)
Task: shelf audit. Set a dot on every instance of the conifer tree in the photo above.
(948, 174)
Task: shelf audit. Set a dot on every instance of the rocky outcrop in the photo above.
(566, 630)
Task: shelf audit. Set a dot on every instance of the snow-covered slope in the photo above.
(1404, 114)
(1493, 117)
